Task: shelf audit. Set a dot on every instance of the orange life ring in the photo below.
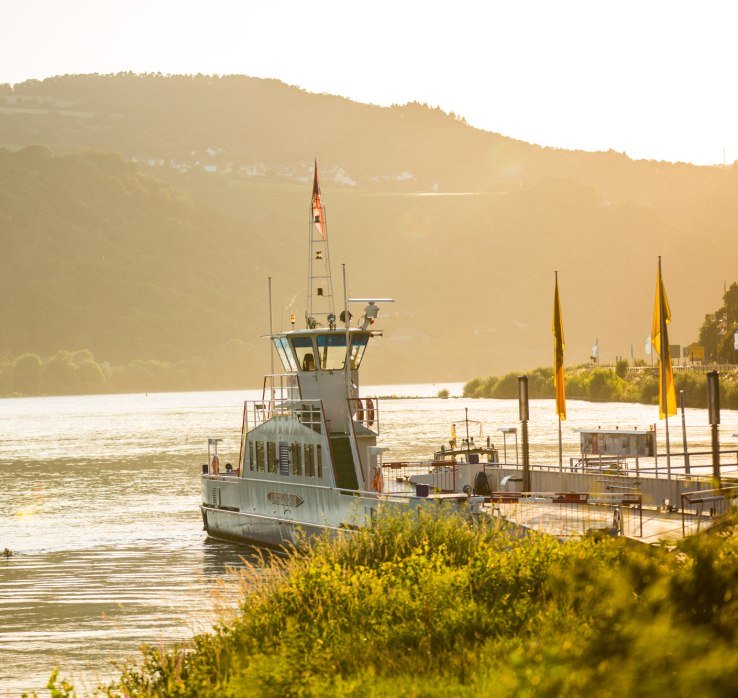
(359, 410)
(369, 412)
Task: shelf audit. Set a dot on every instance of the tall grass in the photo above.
(428, 605)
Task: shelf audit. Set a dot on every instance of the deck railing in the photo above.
(697, 463)
(365, 411)
(405, 476)
(699, 509)
(308, 412)
(571, 514)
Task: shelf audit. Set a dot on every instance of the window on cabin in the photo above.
(271, 457)
(259, 445)
(281, 353)
(296, 458)
(358, 346)
(288, 355)
(251, 455)
(332, 351)
(319, 460)
(305, 353)
(309, 463)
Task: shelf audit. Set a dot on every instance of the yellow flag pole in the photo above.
(558, 332)
(664, 353)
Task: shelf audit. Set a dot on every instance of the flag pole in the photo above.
(559, 338)
(561, 459)
(664, 351)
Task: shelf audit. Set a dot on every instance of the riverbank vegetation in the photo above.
(606, 384)
(420, 605)
(80, 373)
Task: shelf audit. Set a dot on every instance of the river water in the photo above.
(99, 502)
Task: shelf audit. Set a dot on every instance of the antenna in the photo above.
(347, 318)
(371, 310)
(271, 342)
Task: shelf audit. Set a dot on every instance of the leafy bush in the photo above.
(621, 368)
(423, 606)
(604, 384)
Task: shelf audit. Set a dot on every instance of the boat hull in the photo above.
(259, 529)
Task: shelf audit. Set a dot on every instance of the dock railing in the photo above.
(571, 514)
(405, 476)
(696, 463)
(701, 508)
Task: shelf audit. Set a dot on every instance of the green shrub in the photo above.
(421, 605)
(621, 368)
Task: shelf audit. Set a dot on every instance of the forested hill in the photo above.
(253, 126)
(97, 255)
(159, 249)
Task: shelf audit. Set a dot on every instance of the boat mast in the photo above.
(320, 309)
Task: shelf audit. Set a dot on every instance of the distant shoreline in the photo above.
(606, 384)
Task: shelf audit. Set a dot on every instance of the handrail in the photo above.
(365, 411)
(287, 382)
(309, 412)
(620, 502)
(718, 499)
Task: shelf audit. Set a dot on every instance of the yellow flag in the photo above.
(558, 333)
(453, 436)
(660, 342)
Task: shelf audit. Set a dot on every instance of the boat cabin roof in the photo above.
(321, 349)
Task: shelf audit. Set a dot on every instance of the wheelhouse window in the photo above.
(319, 460)
(285, 353)
(251, 455)
(304, 351)
(332, 351)
(358, 346)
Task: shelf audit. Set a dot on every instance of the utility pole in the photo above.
(524, 416)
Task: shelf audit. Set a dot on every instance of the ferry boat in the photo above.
(309, 461)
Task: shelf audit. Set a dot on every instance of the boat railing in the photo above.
(571, 514)
(701, 508)
(407, 476)
(365, 411)
(282, 386)
(307, 412)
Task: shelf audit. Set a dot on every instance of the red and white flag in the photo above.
(318, 208)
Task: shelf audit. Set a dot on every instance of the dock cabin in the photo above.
(612, 448)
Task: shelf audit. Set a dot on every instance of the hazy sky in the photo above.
(653, 79)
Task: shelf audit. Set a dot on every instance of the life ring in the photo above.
(360, 411)
(369, 412)
(377, 483)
